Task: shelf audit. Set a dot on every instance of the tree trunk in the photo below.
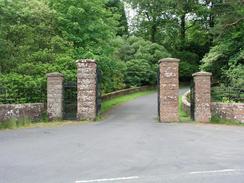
(153, 32)
(211, 22)
(183, 30)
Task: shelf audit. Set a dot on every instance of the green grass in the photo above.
(14, 124)
(217, 120)
(184, 117)
(109, 104)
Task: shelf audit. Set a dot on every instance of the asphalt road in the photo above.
(129, 146)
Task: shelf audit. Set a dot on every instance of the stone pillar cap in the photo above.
(86, 61)
(55, 74)
(202, 73)
(169, 60)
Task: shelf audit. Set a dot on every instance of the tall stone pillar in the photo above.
(86, 89)
(55, 95)
(168, 90)
(202, 96)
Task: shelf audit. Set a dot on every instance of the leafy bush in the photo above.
(22, 88)
(112, 74)
(141, 58)
(139, 73)
(227, 94)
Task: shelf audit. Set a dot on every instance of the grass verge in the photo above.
(217, 120)
(109, 104)
(184, 117)
(14, 124)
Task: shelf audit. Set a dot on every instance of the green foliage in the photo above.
(87, 24)
(225, 60)
(215, 119)
(22, 88)
(14, 123)
(113, 74)
(183, 27)
(227, 94)
(38, 37)
(139, 72)
(117, 7)
(9, 124)
(141, 58)
(42, 36)
(29, 38)
(184, 117)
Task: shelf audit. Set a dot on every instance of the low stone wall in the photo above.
(125, 92)
(18, 111)
(233, 111)
(186, 106)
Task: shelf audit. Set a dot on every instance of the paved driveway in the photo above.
(129, 146)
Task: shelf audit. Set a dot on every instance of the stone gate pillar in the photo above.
(168, 90)
(55, 95)
(86, 89)
(202, 96)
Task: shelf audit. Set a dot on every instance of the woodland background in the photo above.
(43, 36)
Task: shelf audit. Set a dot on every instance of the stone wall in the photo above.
(186, 106)
(168, 90)
(32, 111)
(125, 92)
(233, 111)
(86, 89)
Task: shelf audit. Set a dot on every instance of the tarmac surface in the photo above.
(128, 146)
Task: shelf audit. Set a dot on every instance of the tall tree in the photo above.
(150, 15)
(117, 7)
(185, 10)
(89, 25)
(226, 58)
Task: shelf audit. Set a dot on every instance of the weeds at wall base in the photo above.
(14, 123)
(215, 119)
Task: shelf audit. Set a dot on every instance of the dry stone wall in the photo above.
(186, 106)
(234, 111)
(32, 111)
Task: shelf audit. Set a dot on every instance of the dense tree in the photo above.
(150, 16)
(141, 58)
(89, 25)
(226, 58)
(117, 7)
(41, 36)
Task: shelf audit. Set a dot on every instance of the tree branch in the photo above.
(234, 23)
